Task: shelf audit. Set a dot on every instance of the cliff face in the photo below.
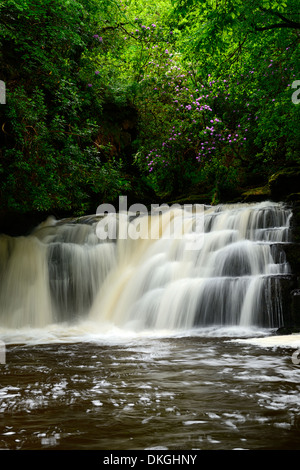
(285, 186)
(292, 298)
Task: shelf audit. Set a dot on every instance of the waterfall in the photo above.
(64, 272)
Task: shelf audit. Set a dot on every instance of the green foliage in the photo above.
(209, 81)
(49, 157)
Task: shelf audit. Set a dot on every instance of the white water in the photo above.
(63, 280)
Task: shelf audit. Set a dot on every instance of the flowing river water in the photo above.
(143, 344)
(205, 391)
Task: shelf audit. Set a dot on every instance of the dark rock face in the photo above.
(295, 307)
(291, 296)
(285, 183)
(284, 186)
(16, 224)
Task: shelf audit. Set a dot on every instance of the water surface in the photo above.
(201, 391)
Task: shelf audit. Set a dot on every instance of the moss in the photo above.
(256, 194)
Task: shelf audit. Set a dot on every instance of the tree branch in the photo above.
(277, 25)
(287, 23)
(276, 13)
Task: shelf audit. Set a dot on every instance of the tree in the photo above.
(50, 159)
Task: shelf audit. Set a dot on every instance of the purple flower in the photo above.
(90, 85)
(97, 72)
(100, 39)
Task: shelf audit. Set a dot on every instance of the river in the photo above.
(202, 390)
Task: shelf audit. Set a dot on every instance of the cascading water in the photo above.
(63, 271)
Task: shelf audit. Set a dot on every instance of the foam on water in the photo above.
(271, 341)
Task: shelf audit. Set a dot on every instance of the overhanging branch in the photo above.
(277, 25)
(286, 22)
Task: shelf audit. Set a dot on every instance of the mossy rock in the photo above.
(256, 194)
(284, 182)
